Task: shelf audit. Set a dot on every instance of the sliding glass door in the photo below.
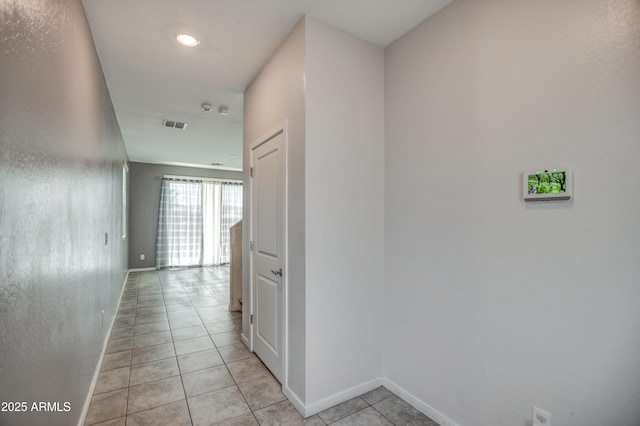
(194, 221)
(211, 223)
(179, 240)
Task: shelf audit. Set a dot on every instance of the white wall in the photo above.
(344, 193)
(276, 95)
(493, 305)
(329, 86)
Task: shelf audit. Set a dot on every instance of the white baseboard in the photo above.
(142, 269)
(294, 399)
(323, 404)
(418, 404)
(244, 340)
(96, 373)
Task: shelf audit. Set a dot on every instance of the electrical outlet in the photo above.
(142, 256)
(103, 317)
(541, 417)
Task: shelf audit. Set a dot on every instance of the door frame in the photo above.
(281, 128)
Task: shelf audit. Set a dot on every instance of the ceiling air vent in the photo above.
(174, 124)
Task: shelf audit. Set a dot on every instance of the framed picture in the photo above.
(547, 185)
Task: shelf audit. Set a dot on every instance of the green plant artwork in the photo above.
(547, 183)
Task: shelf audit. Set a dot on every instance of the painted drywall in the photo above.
(344, 214)
(145, 182)
(276, 95)
(493, 305)
(61, 156)
(335, 217)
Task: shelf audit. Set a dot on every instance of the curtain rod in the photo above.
(201, 179)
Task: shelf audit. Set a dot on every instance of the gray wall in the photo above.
(492, 304)
(61, 156)
(145, 181)
(334, 255)
(277, 94)
(344, 218)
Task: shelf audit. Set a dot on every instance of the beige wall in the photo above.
(493, 305)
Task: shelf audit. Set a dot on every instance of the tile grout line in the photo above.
(229, 372)
(135, 320)
(136, 311)
(186, 401)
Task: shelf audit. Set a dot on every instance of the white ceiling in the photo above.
(151, 77)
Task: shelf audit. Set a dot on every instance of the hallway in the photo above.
(175, 358)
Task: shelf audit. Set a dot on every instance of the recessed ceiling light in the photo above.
(187, 40)
(223, 110)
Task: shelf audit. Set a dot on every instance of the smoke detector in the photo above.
(206, 107)
(174, 124)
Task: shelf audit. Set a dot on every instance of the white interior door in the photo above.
(267, 254)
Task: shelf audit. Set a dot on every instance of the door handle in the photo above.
(278, 272)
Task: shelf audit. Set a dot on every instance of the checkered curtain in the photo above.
(211, 223)
(179, 241)
(230, 214)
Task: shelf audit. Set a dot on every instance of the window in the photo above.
(194, 219)
(125, 181)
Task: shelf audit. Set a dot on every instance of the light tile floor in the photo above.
(175, 358)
